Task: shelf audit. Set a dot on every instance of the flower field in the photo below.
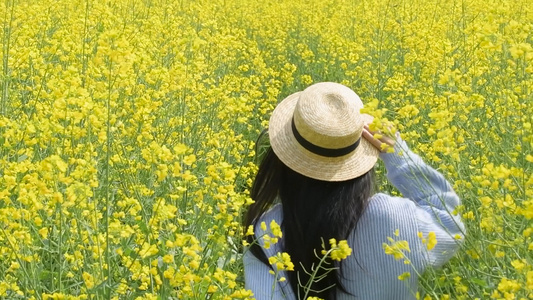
(128, 127)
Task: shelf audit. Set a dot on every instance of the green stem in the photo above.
(313, 276)
(7, 45)
(107, 293)
(60, 237)
(84, 55)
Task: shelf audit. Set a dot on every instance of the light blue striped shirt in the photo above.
(369, 273)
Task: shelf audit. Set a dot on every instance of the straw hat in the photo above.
(318, 133)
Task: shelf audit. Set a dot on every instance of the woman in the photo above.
(320, 170)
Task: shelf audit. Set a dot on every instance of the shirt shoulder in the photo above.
(382, 206)
(275, 213)
(387, 217)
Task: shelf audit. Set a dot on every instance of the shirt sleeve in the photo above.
(435, 200)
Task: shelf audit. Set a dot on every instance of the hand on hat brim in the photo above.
(377, 139)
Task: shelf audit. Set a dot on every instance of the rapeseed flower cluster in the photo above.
(280, 262)
(127, 133)
(338, 251)
(397, 248)
(430, 240)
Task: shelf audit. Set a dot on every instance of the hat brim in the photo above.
(299, 159)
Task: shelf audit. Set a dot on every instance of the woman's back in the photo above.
(380, 256)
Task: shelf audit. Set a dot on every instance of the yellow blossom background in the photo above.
(127, 133)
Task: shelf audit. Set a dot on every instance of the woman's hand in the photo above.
(381, 142)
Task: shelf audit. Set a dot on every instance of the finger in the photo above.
(387, 140)
(368, 129)
(380, 136)
(369, 137)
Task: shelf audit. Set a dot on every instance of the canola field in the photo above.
(128, 127)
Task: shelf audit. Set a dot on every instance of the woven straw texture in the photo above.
(327, 115)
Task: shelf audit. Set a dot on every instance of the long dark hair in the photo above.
(313, 211)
